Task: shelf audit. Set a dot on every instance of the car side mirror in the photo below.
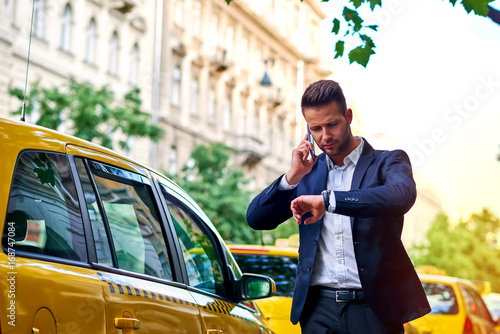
(253, 286)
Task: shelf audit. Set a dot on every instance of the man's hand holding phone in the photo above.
(301, 164)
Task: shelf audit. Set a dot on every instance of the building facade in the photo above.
(104, 42)
(200, 66)
(233, 74)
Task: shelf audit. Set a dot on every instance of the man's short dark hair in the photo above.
(323, 92)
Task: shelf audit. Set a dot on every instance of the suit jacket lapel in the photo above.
(364, 161)
(321, 176)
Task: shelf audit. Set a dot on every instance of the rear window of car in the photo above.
(281, 269)
(43, 215)
(441, 297)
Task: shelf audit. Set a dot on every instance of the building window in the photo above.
(113, 54)
(197, 18)
(227, 114)
(213, 35)
(39, 18)
(211, 107)
(229, 43)
(134, 65)
(176, 86)
(9, 4)
(91, 42)
(244, 50)
(66, 29)
(172, 161)
(179, 12)
(195, 92)
(256, 122)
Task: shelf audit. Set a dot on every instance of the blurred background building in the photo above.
(207, 72)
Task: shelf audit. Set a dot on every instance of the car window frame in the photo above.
(177, 280)
(189, 204)
(45, 257)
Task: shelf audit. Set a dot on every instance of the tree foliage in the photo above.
(348, 25)
(219, 190)
(468, 249)
(93, 114)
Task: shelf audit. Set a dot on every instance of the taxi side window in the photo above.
(43, 211)
(129, 214)
(474, 303)
(200, 257)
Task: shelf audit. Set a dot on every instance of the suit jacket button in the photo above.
(315, 241)
(308, 268)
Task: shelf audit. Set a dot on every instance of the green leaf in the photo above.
(339, 49)
(453, 2)
(228, 1)
(373, 27)
(336, 26)
(368, 41)
(374, 3)
(353, 16)
(480, 7)
(361, 55)
(357, 3)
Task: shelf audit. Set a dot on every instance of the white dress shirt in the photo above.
(335, 262)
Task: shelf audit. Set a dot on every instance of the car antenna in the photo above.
(23, 110)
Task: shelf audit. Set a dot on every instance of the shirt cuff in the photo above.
(283, 185)
(333, 202)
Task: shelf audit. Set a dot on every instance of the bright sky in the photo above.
(434, 86)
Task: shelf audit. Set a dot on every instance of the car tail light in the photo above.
(468, 328)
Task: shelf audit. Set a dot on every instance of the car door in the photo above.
(52, 285)
(134, 259)
(206, 268)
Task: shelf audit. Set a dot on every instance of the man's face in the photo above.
(330, 129)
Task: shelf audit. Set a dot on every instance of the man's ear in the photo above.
(348, 115)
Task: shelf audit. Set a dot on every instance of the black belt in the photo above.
(340, 295)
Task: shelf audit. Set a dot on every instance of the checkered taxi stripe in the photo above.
(217, 306)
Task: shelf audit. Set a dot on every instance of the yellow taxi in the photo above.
(457, 308)
(93, 242)
(280, 263)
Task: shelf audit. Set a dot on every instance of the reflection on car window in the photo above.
(474, 303)
(43, 209)
(441, 298)
(134, 225)
(281, 269)
(202, 264)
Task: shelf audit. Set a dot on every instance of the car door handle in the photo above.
(214, 331)
(127, 325)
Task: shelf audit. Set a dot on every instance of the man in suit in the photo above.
(354, 275)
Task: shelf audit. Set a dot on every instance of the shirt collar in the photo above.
(351, 157)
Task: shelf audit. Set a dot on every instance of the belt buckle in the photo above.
(337, 293)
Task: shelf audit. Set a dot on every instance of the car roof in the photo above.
(263, 250)
(429, 278)
(17, 136)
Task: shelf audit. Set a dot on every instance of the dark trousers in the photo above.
(323, 315)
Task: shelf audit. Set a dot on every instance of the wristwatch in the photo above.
(326, 198)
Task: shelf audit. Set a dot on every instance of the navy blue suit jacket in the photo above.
(382, 191)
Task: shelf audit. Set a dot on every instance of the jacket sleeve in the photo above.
(390, 191)
(271, 207)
